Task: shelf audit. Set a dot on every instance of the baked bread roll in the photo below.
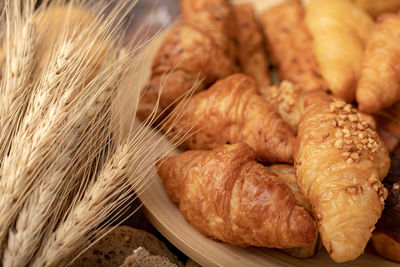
(229, 112)
(196, 53)
(340, 31)
(379, 84)
(340, 160)
(290, 45)
(251, 53)
(375, 8)
(228, 196)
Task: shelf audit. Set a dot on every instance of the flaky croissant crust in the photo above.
(232, 111)
(228, 196)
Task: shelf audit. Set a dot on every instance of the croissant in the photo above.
(215, 18)
(196, 53)
(379, 84)
(340, 31)
(286, 173)
(340, 160)
(228, 196)
(290, 45)
(286, 99)
(232, 111)
(251, 54)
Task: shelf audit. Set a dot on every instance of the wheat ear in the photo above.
(17, 84)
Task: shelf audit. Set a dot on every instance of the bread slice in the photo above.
(115, 247)
(142, 258)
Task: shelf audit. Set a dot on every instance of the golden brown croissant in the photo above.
(232, 111)
(379, 84)
(228, 196)
(340, 31)
(340, 160)
(251, 54)
(214, 18)
(286, 99)
(286, 173)
(196, 53)
(290, 44)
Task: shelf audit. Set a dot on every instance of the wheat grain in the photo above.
(17, 86)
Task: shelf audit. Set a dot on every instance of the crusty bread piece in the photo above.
(142, 258)
(115, 247)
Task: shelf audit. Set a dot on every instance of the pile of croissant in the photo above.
(331, 57)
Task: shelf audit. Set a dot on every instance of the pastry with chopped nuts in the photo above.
(285, 97)
(197, 52)
(229, 112)
(228, 196)
(340, 160)
(386, 237)
(290, 45)
(379, 84)
(340, 31)
(251, 54)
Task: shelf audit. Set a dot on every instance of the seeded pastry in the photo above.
(340, 31)
(290, 45)
(285, 97)
(229, 112)
(340, 160)
(252, 57)
(228, 196)
(379, 84)
(197, 52)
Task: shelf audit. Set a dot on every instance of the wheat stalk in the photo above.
(17, 84)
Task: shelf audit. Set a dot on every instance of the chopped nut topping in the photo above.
(354, 134)
(339, 143)
(349, 161)
(396, 186)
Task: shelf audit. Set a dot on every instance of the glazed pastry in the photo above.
(285, 98)
(389, 126)
(379, 84)
(229, 112)
(340, 160)
(290, 45)
(251, 54)
(196, 53)
(386, 237)
(375, 8)
(228, 196)
(340, 31)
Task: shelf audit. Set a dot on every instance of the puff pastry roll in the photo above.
(290, 45)
(228, 196)
(285, 98)
(215, 18)
(196, 53)
(340, 160)
(379, 84)
(251, 53)
(229, 112)
(340, 31)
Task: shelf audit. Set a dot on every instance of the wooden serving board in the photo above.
(166, 217)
